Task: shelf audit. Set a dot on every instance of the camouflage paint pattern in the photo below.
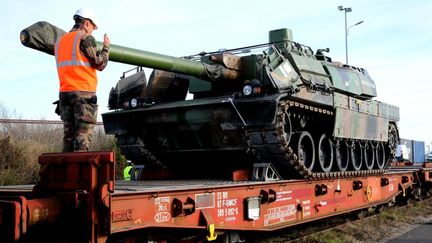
(317, 97)
(284, 75)
(351, 124)
(354, 80)
(311, 70)
(363, 119)
(78, 112)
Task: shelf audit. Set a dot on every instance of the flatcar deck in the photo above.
(150, 186)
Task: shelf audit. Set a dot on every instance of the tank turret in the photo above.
(277, 106)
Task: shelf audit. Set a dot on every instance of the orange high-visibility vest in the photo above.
(74, 69)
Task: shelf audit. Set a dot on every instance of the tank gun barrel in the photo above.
(211, 72)
(42, 36)
(148, 59)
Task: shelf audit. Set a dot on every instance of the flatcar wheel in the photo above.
(325, 153)
(306, 150)
(369, 156)
(356, 153)
(380, 156)
(342, 155)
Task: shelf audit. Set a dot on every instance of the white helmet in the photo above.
(86, 13)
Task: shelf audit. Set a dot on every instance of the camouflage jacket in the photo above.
(98, 59)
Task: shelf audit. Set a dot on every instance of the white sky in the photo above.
(393, 43)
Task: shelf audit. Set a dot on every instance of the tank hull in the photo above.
(187, 137)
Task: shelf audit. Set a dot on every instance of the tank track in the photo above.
(133, 147)
(272, 145)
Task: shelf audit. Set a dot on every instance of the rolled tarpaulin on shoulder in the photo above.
(41, 36)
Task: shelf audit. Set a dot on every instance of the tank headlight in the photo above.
(133, 103)
(247, 90)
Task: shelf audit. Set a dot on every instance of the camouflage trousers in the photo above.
(78, 111)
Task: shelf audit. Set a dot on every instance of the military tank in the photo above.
(279, 104)
(278, 109)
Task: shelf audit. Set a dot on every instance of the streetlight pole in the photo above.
(346, 10)
(360, 22)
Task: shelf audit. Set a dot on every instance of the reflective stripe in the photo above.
(73, 61)
(74, 69)
(78, 35)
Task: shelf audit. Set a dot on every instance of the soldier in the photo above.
(77, 60)
(127, 171)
